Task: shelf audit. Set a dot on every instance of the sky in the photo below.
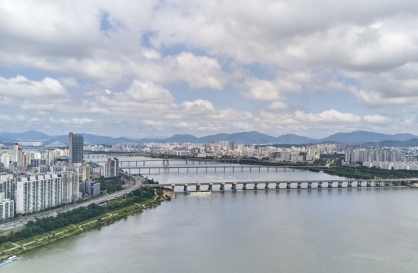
(157, 68)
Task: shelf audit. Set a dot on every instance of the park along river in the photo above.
(318, 230)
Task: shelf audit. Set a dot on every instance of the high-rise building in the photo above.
(38, 192)
(70, 187)
(75, 143)
(86, 173)
(112, 167)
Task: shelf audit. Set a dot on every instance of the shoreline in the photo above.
(9, 249)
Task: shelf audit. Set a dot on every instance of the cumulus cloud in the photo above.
(22, 88)
(113, 59)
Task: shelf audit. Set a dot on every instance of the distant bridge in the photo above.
(232, 168)
(295, 184)
(135, 163)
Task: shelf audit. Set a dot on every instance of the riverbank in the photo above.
(9, 248)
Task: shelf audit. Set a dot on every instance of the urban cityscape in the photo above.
(208, 136)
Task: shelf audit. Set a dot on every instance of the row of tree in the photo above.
(75, 216)
(111, 184)
(370, 173)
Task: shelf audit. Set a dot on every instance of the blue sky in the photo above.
(157, 68)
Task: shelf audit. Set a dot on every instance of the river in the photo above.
(318, 230)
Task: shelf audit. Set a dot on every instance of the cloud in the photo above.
(22, 88)
(379, 119)
(277, 105)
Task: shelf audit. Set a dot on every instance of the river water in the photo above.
(318, 230)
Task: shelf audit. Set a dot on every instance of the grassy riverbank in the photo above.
(111, 213)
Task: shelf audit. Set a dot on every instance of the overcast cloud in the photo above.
(156, 68)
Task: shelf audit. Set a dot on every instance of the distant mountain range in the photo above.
(356, 137)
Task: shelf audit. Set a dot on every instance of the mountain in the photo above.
(365, 136)
(413, 142)
(356, 137)
(294, 139)
(92, 139)
(29, 135)
(244, 138)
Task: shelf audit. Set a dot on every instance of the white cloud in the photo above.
(22, 88)
(277, 105)
(379, 119)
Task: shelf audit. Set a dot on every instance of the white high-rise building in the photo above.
(7, 207)
(38, 192)
(70, 187)
(7, 185)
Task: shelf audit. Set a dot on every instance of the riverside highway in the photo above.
(17, 223)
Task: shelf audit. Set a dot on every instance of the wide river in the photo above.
(318, 230)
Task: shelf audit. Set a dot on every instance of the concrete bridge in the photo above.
(297, 184)
(139, 163)
(232, 168)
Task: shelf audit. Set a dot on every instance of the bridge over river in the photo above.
(297, 184)
(232, 168)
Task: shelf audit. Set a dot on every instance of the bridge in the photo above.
(220, 168)
(296, 184)
(184, 161)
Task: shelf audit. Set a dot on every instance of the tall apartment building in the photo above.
(6, 196)
(38, 192)
(7, 185)
(75, 144)
(112, 167)
(86, 173)
(7, 207)
(70, 187)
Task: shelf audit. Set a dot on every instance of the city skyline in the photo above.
(160, 68)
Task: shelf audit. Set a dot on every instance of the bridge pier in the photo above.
(284, 168)
(329, 184)
(234, 186)
(268, 169)
(241, 169)
(258, 168)
(222, 186)
(369, 184)
(210, 187)
(299, 185)
(277, 185)
(215, 169)
(198, 187)
(244, 186)
(288, 185)
(350, 184)
(178, 170)
(224, 169)
(206, 169)
(309, 185)
(185, 188)
(340, 184)
(267, 186)
(172, 187)
(233, 169)
(251, 169)
(319, 185)
(256, 186)
(359, 184)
